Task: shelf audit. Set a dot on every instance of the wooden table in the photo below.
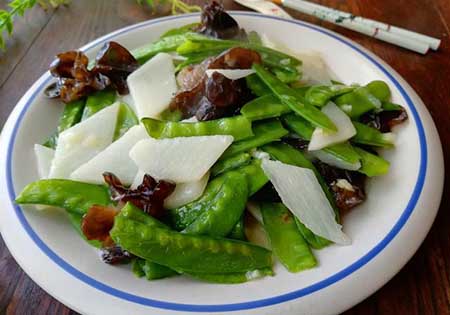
(422, 287)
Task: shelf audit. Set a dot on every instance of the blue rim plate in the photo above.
(369, 256)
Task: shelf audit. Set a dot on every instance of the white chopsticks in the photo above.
(395, 35)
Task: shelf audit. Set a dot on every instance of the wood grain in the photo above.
(423, 285)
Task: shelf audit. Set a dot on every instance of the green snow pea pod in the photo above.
(189, 46)
(313, 240)
(358, 102)
(238, 231)
(287, 242)
(71, 195)
(269, 56)
(256, 178)
(342, 151)
(263, 107)
(98, 101)
(225, 210)
(371, 136)
(233, 278)
(75, 220)
(187, 252)
(238, 126)
(195, 58)
(380, 90)
(165, 44)
(182, 216)
(320, 95)
(180, 30)
(71, 115)
(388, 106)
(136, 267)
(126, 119)
(171, 115)
(264, 132)
(292, 99)
(151, 270)
(231, 163)
(287, 75)
(371, 164)
(257, 86)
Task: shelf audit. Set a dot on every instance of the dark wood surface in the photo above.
(423, 285)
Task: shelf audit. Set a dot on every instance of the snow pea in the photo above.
(187, 252)
(371, 164)
(238, 126)
(71, 115)
(358, 102)
(264, 132)
(320, 95)
(238, 231)
(263, 107)
(256, 85)
(230, 163)
(233, 278)
(287, 75)
(371, 136)
(224, 210)
(342, 151)
(97, 101)
(380, 90)
(151, 270)
(313, 240)
(180, 30)
(171, 115)
(126, 119)
(388, 106)
(256, 178)
(182, 216)
(286, 240)
(195, 58)
(270, 57)
(292, 99)
(71, 195)
(136, 267)
(165, 44)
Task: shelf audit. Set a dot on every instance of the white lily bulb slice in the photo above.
(186, 192)
(301, 192)
(180, 160)
(321, 138)
(82, 142)
(314, 69)
(232, 74)
(332, 160)
(114, 159)
(44, 158)
(153, 85)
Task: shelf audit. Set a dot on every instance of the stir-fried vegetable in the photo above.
(236, 141)
(289, 97)
(238, 126)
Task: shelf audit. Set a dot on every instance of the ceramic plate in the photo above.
(386, 230)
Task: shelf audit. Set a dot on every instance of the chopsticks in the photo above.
(395, 35)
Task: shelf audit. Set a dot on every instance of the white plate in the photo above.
(386, 230)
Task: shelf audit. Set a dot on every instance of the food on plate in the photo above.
(210, 152)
